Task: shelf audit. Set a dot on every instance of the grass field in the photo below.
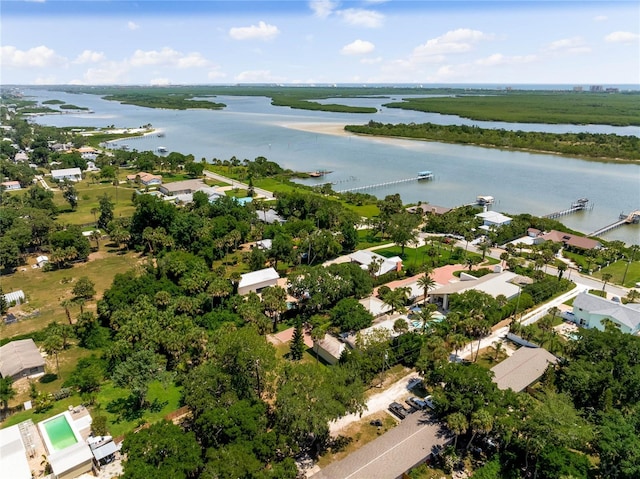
(89, 198)
(617, 272)
(45, 290)
(113, 403)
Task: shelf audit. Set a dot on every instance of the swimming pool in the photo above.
(58, 433)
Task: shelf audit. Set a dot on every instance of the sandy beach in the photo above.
(322, 128)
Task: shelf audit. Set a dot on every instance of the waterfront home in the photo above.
(428, 209)
(571, 241)
(591, 311)
(256, 281)
(70, 174)
(493, 218)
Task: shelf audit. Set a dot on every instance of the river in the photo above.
(250, 127)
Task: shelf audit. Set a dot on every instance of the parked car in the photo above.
(429, 402)
(398, 410)
(417, 403)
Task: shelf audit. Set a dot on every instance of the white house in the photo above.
(71, 174)
(256, 281)
(365, 257)
(590, 311)
(11, 185)
(493, 218)
(494, 284)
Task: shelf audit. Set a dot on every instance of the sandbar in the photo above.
(323, 128)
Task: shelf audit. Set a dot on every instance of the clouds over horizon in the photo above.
(358, 47)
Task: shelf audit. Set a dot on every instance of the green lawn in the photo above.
(45, 290)
(617, 271)
(112, 403)
(89, 197)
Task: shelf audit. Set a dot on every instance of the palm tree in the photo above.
(94, 212)
(633, 296)
(95, 236)
(427, 283)
(65, 303)
(396, 298)
(457, 424)
(481, 421)
(606, 277)
(498, 347)
(317, 334)
(457, 341)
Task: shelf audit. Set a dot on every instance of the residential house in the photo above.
(329, 348)
(147, 179)
(492, 218)
(21, 156)
(591, 311)
(256, 281)
(71, 174)
(385, 265)
(523, 368)
(428, 209)
(11, 185)
(495, 284)
(571, 241)
(181, 187)
(20, 358)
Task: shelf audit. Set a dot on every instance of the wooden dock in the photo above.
(578, 205)
(383, 184)
(631, 218)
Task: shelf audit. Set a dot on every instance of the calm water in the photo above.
(521, 182)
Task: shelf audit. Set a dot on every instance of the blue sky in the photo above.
(163, 42)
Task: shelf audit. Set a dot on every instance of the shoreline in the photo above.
(337, 129)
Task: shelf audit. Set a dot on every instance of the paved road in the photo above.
(393, 453)
(235, 183)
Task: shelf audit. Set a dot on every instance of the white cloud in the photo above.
(167, 57)
(192, 60)
(569, 45)
(262, 31)
(36, 57)
(48, 80)
(159, 82)
(362, 18)
(89, 56)
(132, 26)
(322, 8)
(454, 41)
(358, 47)
(622, 37)
(110, 73)
(499, 59)
(601, 18)
(258, 76)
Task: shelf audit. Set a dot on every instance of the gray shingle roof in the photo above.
(627, 314)
(522, 368)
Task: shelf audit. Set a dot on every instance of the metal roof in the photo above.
(18, 356)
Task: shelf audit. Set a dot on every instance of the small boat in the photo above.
(161, 149)
(319, 173)
(425, 175)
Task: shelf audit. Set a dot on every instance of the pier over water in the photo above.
(578, 205)
(631, 218)
(423, 175)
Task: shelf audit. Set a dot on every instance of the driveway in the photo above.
(393, 453)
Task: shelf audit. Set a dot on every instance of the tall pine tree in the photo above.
(297, 343)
